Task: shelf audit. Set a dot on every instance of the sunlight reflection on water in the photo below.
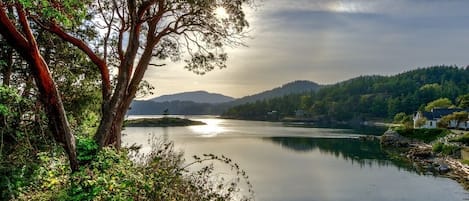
(212, 129)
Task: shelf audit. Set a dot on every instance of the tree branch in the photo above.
(106, 82)
(9, 31)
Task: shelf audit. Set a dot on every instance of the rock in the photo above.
(419, 153)
(443, 168)
(392, 138)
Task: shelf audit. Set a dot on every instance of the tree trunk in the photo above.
(25, 43)
(52, 102)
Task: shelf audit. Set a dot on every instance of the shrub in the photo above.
(437, 147)
(444, 148)
(86, 149)
(161, 174)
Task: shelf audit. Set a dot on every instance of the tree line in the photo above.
(367, 97)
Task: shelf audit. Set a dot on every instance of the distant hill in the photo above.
(365, 97)
(295, 87)
(201, 102)
(174, 107)
(194, 96)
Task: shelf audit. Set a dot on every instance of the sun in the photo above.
(221, 13)
(345, 7)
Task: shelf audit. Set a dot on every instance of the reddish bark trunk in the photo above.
(24, 42)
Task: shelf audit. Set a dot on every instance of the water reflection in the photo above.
(360, 151)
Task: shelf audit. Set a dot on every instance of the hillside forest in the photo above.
(372, 97)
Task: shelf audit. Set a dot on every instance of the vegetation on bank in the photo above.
(424, 135)
(367, 97)
(161, 122)
(445, 149)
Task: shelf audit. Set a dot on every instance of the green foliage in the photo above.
(437, 147)
(399, 117)
(10, 101)
(67, 12)
(445, 149)
(463, 101)
(404, 119)
(160, 175)
(367, 97)
(439, 103)
(423, 134)
(86, 149)
(20, 139)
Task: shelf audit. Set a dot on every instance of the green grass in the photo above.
(425, 135)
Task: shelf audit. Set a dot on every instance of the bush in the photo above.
(23, 134)
(86, 149)
(444, 148)
(437, 147)
(126, 175)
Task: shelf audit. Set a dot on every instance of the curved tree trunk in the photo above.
(25, 43)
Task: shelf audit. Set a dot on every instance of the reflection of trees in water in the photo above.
(357, 151)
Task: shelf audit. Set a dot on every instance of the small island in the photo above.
(161, 122)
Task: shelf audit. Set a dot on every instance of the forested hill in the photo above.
(295, 87)
(194, 103)
(194, 96)
(366, 97)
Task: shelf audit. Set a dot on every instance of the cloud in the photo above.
(331, 40)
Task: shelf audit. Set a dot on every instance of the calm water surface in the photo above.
(303, 164)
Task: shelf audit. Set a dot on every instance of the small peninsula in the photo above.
(161, 122)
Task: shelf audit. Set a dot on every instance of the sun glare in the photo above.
(212, 129)
(345, 7)
(221, 13)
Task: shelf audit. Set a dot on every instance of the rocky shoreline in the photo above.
(423, 158)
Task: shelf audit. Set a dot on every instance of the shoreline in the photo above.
(425, 160)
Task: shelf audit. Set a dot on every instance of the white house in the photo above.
(434, 116)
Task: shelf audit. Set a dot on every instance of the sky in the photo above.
(328, 41)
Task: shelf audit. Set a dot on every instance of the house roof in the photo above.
(438, 113)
